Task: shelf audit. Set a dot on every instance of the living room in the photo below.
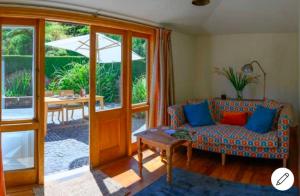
(200, 60)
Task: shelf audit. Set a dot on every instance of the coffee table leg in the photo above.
(162, 155)
(140, 157)
(189, 153)
(169, 152)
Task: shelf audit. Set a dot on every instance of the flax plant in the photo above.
(239, 80)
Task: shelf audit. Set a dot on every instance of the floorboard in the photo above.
(238, 169)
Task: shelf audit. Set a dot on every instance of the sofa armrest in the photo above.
(177, 117)
(284, 123)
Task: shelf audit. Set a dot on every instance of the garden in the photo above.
(64, 69)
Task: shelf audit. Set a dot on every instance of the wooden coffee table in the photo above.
(166, 143)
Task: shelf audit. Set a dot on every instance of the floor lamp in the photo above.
(248, 68)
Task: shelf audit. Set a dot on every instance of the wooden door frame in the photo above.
(33, 175)
(18, 13)
(141, 107)
(61, 15)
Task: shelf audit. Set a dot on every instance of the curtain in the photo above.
(162, 80)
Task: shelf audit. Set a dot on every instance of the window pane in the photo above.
(139, 124)
(18, 150)
(108, 70)
(139, 70)
(18, 64)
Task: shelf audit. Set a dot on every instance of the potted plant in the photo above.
(239, 80)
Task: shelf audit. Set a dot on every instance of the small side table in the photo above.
(166, 143)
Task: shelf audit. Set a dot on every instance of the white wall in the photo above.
(277, 53)
(184, 58)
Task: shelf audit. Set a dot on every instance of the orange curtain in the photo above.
(162, 80)
(2, 182)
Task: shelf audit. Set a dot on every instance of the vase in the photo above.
(82, 92)
(239, 94)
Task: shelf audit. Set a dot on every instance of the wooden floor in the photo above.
(238, 169)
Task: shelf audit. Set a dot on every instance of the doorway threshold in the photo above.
(65, 175)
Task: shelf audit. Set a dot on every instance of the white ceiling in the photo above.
(219, 17)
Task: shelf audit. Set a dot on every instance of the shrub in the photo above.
(75, 78)
(139, 90)
(18, 84)
(108, 82)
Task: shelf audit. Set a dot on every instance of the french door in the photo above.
(108, 78)
(119, 69)
(21, 100)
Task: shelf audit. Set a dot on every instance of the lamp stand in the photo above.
(265, 74)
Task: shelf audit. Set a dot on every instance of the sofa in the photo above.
(237, 140)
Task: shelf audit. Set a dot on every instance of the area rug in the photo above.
(187, 183)
(86, 184)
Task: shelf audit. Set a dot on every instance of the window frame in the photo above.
(17, 13)
(33, 174)
(25, 23)
(144, 106)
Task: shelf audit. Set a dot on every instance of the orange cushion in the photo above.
(234, 118)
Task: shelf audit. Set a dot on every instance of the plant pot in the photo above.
(82, 92)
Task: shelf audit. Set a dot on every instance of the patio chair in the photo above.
(71, 106)
(55, 108)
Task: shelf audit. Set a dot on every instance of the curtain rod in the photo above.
(52, 5)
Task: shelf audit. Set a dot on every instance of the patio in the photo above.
(67, 146)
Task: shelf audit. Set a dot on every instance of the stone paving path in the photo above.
(66, 146)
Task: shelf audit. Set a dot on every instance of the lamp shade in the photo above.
(248, 68)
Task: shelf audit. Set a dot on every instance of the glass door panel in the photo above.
(18, 71)
(19, 124)
(139, 124)
(18, 150)
(108, 71)
(139, 58)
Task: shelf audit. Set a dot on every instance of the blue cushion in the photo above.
(198, 114)
(262, 119)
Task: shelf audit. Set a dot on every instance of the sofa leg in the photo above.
(223, 159)
(284, 163)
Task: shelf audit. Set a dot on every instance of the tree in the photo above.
(139, 46)
(56, 31)
(17, 41)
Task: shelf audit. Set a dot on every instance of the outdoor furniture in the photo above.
(63, 101)
(55, 107)
(72, 106)
(166, 143)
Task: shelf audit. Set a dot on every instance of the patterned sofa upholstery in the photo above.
(237, 140)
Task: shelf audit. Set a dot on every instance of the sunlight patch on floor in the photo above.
(153, 165)
(146, 154)
(127, 178)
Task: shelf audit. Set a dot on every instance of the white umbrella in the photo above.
(109, 50)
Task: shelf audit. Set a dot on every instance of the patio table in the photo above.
(64, 101)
